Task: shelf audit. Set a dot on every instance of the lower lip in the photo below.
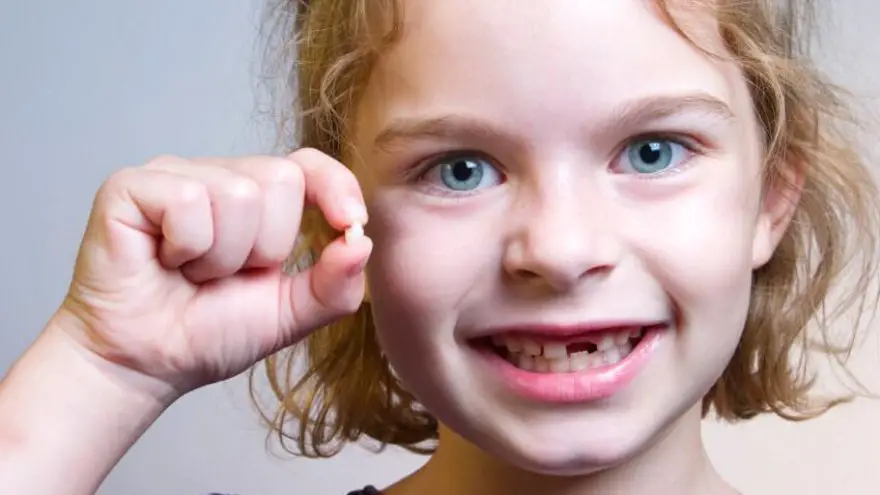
(582, 386)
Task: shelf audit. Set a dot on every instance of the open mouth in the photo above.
(545, 354)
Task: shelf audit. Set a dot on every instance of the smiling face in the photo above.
(576, 182)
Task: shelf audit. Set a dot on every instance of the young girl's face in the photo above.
(573, 180)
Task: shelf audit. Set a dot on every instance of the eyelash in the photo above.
(693, 146)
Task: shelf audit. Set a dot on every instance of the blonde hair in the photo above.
(325, 53)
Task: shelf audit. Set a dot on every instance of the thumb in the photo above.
(332, 288)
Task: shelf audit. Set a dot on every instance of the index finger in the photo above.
(332, 187)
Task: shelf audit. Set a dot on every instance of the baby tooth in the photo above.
(559, 365)
(579, 361)
(514, 345)
(526, 362)
(606, 343)
(542, 365)
(531, 347)
(355, 231)
(621, 338)
(555, 351)
(612, 355)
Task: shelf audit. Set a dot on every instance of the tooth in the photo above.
(555, 351)
(531, 347)
(541, 364)
(606, 343)
(579, 361)
(596, 359)
(625, 349)
(526, 362)
(612, 355)
(621, 338)
(560, 365)
(637, 332)
(513, 344)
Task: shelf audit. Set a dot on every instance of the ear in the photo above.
(778, 206)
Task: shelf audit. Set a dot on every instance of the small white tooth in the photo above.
(612, 355)
(353, 232)
(621, 338)
(560, 365)
(526, 362)
(513, 344)
(579, 361)
(555, 351)
(531, 347)
(542, 365)
(625, 349)
(606, 343)
(596, 359)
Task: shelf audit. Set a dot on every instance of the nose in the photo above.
(563, 237)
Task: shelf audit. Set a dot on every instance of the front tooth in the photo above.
(513, 344)
(542, 365)
(579, 361)
(612, 355)
(531, 347)
(555, 351)
(621, 338)
(606, 343)
(526, 362)
(560, 365)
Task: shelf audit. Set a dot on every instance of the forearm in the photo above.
(64, 421)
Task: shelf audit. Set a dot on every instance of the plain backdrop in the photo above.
(90, 86)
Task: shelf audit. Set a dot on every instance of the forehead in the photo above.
(526, 61)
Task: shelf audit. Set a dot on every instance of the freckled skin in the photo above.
(560, 232)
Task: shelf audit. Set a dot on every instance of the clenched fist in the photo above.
(179, 279)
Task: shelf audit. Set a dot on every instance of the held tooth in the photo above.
(606, 343)
(353, 232)
(531, 347)
(555, 351)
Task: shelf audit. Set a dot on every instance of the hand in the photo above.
(179, 278)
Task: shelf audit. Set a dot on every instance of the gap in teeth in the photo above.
(560, 357)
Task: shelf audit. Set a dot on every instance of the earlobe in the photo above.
(778, 206)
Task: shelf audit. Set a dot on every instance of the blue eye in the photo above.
(653, 156)
(464, 173)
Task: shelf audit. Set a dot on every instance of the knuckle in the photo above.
(242, 189)
(161, 161)
(190, 192)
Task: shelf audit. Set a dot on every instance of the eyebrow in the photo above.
(456, 127)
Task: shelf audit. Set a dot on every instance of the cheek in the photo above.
(424, 264)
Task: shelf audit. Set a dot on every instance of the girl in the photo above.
(588, 225)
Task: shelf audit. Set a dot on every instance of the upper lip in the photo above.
(567, 330)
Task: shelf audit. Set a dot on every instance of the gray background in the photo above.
(87, 87)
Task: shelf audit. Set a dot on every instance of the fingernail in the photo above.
(356, 212)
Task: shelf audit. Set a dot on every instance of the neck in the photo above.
(675, 463)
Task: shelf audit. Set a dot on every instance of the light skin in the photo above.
(562, 228)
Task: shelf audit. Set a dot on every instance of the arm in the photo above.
(65, 421)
